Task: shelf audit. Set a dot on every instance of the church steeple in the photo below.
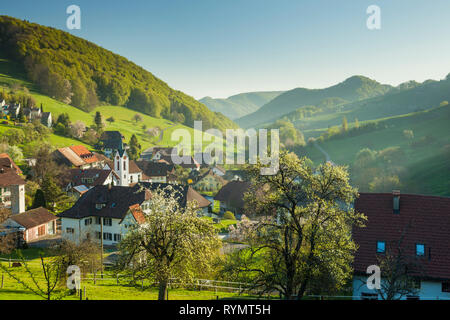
(121, 167)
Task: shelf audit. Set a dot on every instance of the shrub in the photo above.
(229, 215)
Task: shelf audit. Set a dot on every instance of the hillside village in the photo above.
(110, 194)
(87, 178)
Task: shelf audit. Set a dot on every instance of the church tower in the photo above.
(121, 167)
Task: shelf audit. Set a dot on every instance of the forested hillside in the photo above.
(353, 89)
(241, 104)
(80, 73)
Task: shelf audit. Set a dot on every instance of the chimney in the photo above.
(109, 186)
(396, 201)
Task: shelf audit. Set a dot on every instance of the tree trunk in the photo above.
(162, 294)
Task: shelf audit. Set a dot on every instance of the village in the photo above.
(112, 195)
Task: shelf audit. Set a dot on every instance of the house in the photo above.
(156, 171)
(209, 181)
(35, 224)
(78, 181)
(231, 197)
(109, 212)
(46, 119)
(12, 185)
(78, 157)
(32, 113)
(235, 175)
(111, 141)
(160, 152)
(423, 224)
(13, 110)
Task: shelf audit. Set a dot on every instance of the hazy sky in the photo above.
(222, 47)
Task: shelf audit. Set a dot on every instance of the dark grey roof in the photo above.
(117, 200)
(112, 140)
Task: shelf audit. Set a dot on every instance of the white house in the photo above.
(418, 225)
(108, 212)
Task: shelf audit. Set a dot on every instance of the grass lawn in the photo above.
(106, 289)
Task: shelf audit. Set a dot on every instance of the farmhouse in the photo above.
(231, 196)
(423, 223)
(108, 212)
(78, 157)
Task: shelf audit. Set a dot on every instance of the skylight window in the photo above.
(381, 247)
(420, 249)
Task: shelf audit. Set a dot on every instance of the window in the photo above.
(87, 221)
(98, 206)
(70, 230)
(97, 220)
(98, 235)
(117, 237)
(445, 286)
(420, 250)
(381, 247)
(107, 236)
(107, 221)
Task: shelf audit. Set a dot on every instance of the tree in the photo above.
(39, 200)
(399, 271)
(77, 129)
(45, 165)
(137, 118)
(135, 148)
(173, 242)
(51, 273)
(304, 231)
(86, 255)
(98, 120)
(111, 120)
(344, 124)
(356, 123)
(229, 215)
(15, 153)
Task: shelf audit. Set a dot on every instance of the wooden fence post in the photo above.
(117, 277)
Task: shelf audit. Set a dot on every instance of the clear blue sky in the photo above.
(223, 47)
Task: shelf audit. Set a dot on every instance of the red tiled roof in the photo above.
(5, 155)
(8, 173)
(428, 218)
(84, 153)
(33, 218)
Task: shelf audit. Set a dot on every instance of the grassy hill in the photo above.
(82, 74)
(396, 102)
(424, 162)
(241, 104)
(353, 89)
(11, 74)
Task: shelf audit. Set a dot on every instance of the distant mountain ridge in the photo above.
(85, 75)
(352, 89)
(240, 105)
